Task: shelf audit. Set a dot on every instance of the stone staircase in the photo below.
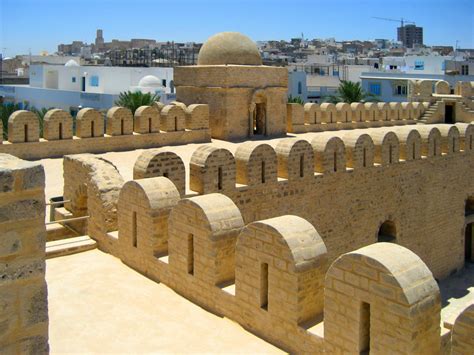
(63, 240)
(69, 246)
(467, 109)
(429, 113)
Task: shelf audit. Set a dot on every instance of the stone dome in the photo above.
(229, 48)
(149, 81)
(71, 63)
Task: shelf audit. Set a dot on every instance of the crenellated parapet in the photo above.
(314, 117)
(161, 162)
(254, 241)
(149, 127)
(212, 169)
(23, 127)
(381, 292)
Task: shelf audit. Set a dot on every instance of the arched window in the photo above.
(387, 232)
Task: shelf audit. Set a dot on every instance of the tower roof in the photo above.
(229, 48)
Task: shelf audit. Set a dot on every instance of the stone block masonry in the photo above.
(23, 291)
(179, 125)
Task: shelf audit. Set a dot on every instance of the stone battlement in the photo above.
(150, 127)
(382, 167)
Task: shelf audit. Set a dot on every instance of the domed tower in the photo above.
(245, 98)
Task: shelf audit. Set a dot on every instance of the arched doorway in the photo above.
(387, 232)
(469, 231)
(258, 114)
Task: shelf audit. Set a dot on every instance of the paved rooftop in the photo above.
(99, 305)
(457, 292)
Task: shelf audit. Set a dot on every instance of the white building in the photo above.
(390, 82)
(73, 86)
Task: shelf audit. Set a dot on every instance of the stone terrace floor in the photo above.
(457, 292)
(99, 305)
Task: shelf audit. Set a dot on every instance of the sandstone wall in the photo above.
(424, 197)
(314, 117)
(179, 125)
(23, 291)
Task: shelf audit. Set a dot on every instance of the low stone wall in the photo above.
(23, 291)
(313, 117)
(408, 176)
(152, 126)
(58, 148)
(279, 286)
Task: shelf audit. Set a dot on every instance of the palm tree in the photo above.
(5, 111)
(133, 100)
(40, 114)
(349, 92)
(295, 100)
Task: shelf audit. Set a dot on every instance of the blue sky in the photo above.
(43, 24)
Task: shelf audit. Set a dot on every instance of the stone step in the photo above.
(57, 231)
(69, 246)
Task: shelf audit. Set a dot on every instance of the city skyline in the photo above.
(23, 29)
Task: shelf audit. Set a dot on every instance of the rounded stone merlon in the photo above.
(413, 277)
(305, 245)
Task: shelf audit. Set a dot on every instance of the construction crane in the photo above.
(401, 20)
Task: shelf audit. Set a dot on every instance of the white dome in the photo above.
(150, 81)
(71, 63)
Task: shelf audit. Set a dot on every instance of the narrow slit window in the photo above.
(149, 125)
(364, 328)
(60, 130)
(219, 178)
(92, 128)
(414, 151)
(364, 157)
(176, 123)
(264, 286)
(26, 133)
(263, 172)
(191, 254)
(302, 165)
(134, 229)
(335, 161)
(121, 127)
(390, 154)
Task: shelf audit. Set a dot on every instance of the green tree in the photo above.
(349, 92)
(295, 100)
(5, 112)
(133, 100)
(40, 113)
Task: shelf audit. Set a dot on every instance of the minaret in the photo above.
(99, 41)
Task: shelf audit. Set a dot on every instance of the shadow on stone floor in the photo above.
(457, 285)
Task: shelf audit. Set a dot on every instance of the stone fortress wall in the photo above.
(255, 240)
(150, 127)
(177, 123)
(427, 105)
(23, 290)
(329, 243)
